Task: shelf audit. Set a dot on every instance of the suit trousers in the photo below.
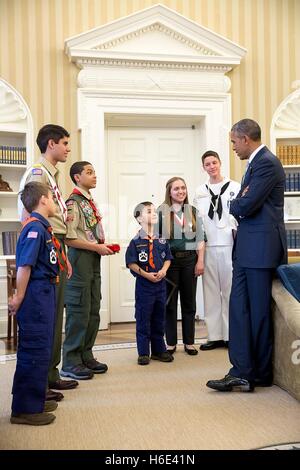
(83, 296)
(250, 323)
(182, 273)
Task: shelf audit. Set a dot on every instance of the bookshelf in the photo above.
(285, 143)
(16, 151)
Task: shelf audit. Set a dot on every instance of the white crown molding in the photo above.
(287, 115)
(156, 37)
(13, 109)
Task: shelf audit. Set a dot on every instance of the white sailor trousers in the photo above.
(217, 279)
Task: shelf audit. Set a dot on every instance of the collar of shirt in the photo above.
(255, 152)
(41, 218)
(86, 194)
(143, 234)
(211, 185)
(49, 167)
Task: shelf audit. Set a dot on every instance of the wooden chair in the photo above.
(11, 286)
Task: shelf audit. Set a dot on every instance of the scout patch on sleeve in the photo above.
(32, 234)
(37, 171)
(70, 203)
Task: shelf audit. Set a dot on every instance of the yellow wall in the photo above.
(32, 59)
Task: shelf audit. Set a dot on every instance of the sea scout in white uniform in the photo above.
(212, 202)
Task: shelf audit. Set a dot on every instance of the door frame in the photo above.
(96, 106)
(142, 125)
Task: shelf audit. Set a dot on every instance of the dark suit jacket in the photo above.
(261, 236)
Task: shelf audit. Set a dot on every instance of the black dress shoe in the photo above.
(212, 345)
(63, 384)
(191, 351)
(230, 384)
(51, 395)
(171, 350)
(263, 383)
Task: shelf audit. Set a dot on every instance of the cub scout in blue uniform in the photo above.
(148, 259)
(85, 239)
(34, 302)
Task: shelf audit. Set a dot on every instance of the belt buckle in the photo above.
(54, 280)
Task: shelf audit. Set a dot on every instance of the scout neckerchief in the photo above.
(151, 258)
(60, 255)
(180, 220)
(58, 196)
(216, 201)
(91, 214)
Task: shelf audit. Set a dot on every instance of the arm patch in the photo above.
(37, 171)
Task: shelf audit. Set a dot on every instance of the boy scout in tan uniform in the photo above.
(85, 240)
(53, 142)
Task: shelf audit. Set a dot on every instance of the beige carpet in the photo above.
(160, 406)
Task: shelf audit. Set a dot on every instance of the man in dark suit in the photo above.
(259, 247)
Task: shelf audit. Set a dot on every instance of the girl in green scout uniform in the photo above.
(85, 239)
(181, 224)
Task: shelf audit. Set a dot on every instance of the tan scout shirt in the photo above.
(76, 224)
(57, 221)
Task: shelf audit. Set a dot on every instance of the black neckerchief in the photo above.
(216, 199)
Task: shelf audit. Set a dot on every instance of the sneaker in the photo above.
(96, 366)
(33, 419)
(143, 360)
(50, 405)
(79, 372)
(163, 357)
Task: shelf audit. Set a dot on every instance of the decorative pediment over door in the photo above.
(154, 50)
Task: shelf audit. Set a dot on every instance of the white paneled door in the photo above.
(140, 161)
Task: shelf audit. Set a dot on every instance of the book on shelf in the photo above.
(292, 182)
(288, 154)
(12, 155)
(293, 239)
(9, 242)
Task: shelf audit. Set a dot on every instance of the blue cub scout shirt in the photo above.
(35, 248)
(138, 252)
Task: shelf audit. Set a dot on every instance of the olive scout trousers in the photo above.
(82, 299)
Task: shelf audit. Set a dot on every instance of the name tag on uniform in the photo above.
(32, 234)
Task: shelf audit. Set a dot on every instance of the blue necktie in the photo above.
(244, 175)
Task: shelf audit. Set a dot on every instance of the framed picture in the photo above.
(292, 208)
